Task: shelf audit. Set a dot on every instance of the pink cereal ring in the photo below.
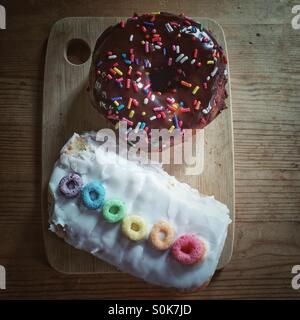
(188, 249)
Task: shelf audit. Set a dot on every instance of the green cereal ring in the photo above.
(134, 227)
(114, 210)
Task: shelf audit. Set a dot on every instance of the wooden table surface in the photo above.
(265, 74)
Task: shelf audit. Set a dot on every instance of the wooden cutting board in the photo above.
(66, 109)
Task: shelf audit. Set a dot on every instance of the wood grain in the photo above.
(266, 114)
(66, 109)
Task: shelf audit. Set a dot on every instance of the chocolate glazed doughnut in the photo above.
(158, 71)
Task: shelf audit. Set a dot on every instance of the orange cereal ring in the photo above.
(165, 229)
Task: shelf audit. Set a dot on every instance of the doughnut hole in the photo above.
(163, 79)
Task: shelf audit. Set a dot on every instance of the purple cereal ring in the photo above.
(70, 185)
(188, 249)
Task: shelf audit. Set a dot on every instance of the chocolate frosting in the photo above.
(167, 57)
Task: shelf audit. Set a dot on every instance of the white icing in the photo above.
(148, 191)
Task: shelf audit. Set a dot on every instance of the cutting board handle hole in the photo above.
(77, 51)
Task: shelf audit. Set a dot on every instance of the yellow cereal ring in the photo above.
(134, 227)
(165, 229)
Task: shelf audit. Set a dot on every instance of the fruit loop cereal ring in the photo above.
(114, 210)
(159, 229)
(188, 249)
(93, 195)
(134, 227)
(70, 185)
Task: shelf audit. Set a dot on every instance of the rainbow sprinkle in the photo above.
(195, 90)
(186, 84)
